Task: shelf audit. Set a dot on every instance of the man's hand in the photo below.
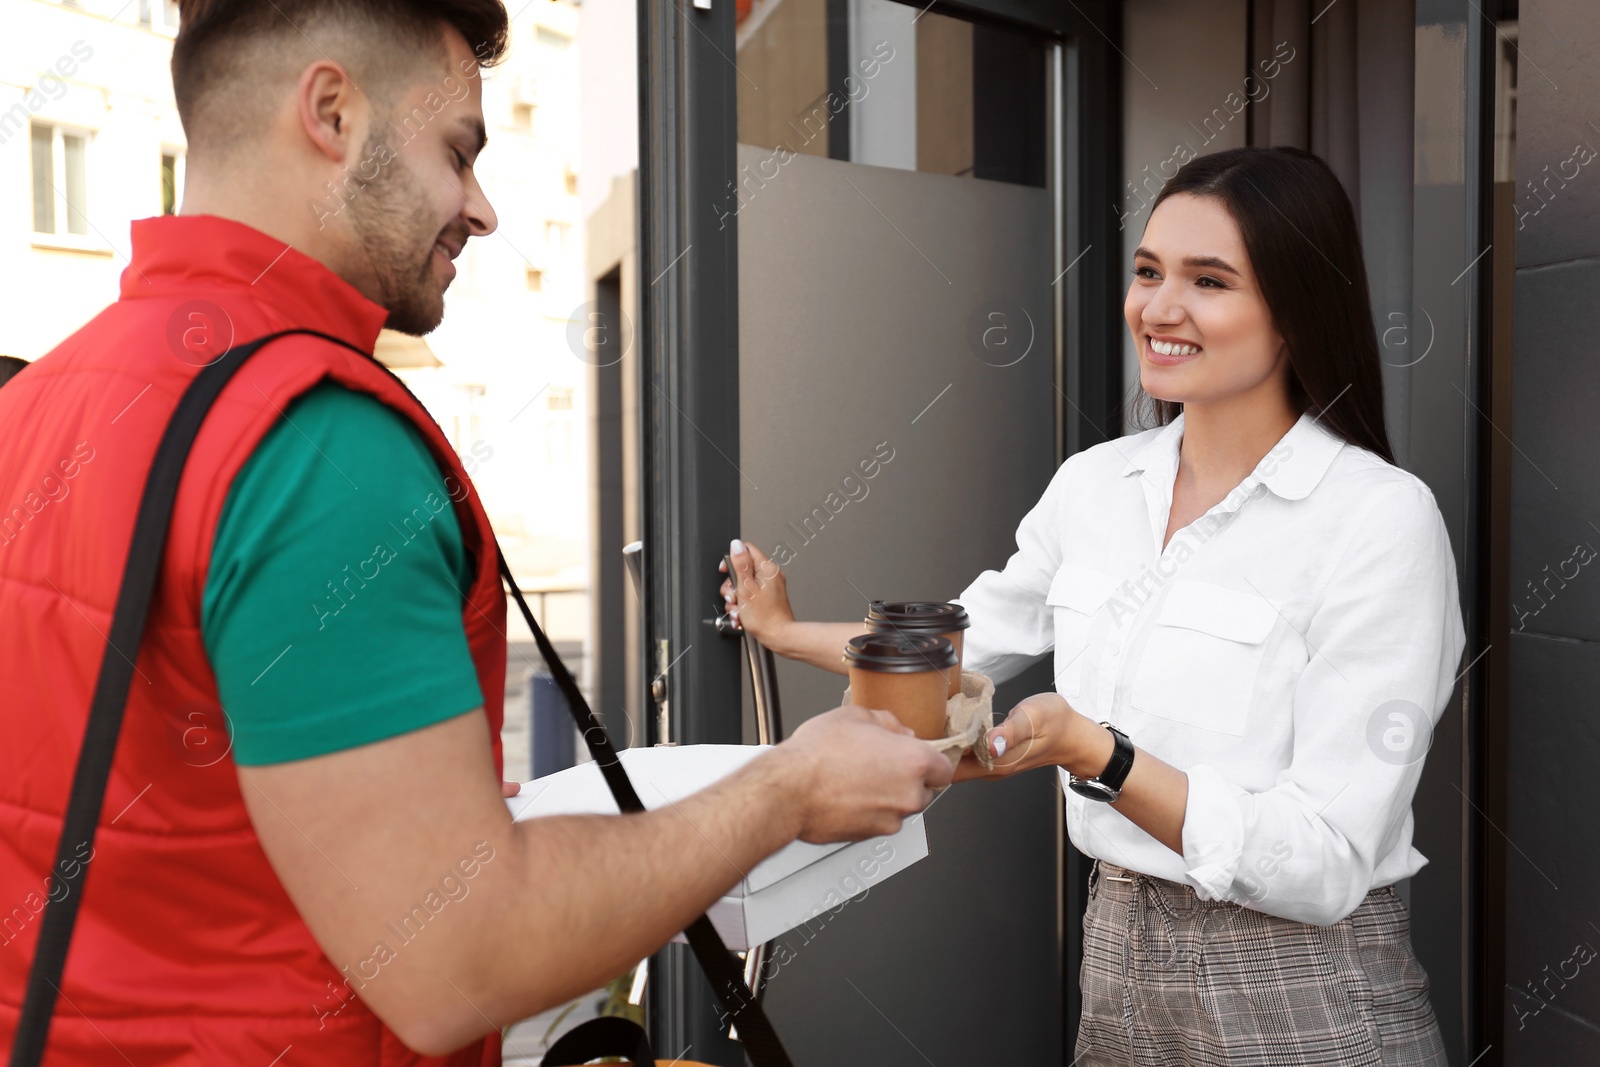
(859, 773)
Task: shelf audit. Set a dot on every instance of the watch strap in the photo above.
(1121, 762)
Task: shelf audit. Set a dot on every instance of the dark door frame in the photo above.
(688, 273)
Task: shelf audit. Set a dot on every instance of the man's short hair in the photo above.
(9, 367)
(228, 53)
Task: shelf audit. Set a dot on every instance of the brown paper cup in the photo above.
(917, 700)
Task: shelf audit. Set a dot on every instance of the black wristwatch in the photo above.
(1107, 785)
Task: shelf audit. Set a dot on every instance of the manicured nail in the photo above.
(999, 745)
(735, 547)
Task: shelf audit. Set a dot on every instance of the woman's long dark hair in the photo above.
(1304, 245)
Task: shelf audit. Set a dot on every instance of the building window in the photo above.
(466, 424)
(555, 233)
(158, 14)
(558, 428)
(60, 180)
(171, 181)
(557, 42)
(535, 280)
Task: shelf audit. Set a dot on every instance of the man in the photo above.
(329, 875)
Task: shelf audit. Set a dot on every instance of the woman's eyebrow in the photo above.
(1215, 262)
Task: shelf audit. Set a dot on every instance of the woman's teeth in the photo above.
(1168, 348)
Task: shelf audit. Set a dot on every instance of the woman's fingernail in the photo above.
(999, 745)
(735, 547)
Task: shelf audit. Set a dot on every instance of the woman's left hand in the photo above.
(1042, 731)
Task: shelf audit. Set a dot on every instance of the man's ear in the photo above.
(333, 110)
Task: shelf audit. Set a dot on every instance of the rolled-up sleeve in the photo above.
(1384, 645)
(1011, 624)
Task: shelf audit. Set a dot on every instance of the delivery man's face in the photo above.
(415, 215)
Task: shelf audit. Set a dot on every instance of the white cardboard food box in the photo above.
(788, 888)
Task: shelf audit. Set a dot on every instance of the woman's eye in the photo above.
(1144, 272)
(1212, 281)
(461, 160)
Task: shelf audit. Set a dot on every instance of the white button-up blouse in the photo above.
(1290, 650)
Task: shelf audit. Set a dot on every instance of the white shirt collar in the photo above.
(1291, 469)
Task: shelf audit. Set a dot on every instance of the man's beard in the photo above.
(395, 233)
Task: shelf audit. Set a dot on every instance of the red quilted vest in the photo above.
(187, 951)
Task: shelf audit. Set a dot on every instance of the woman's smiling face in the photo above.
(1195, 311)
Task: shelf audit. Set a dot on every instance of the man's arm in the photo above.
(374, 845)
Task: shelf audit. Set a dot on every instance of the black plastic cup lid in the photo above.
(916, 617)
(890, 653)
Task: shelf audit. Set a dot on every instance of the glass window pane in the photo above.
(894, 85)
(76, 190)
(44, 180)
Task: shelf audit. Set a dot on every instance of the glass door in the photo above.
(876, 313)
(897, 260)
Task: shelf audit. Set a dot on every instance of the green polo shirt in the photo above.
(332, 609)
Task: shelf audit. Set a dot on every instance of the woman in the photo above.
(1266, 607)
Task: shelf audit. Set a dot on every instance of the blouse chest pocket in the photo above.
(1076, 594)
(1204, 654)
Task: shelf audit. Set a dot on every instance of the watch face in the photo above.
(1092, 789)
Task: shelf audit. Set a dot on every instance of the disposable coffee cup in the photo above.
(920, 618)
(904, 675)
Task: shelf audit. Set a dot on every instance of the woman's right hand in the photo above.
(760, 607)
(759, 602)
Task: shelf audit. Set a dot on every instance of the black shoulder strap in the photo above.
(106, 707)
(145, 553)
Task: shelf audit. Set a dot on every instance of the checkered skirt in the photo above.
(1170, 980)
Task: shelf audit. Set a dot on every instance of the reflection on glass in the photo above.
(892, 85)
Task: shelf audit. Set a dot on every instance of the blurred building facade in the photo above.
(90, 140)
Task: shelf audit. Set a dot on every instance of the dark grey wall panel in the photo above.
(1553, 942)
(1558, 194)
(860, 289)
(1553, 868)
(1555, 496)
